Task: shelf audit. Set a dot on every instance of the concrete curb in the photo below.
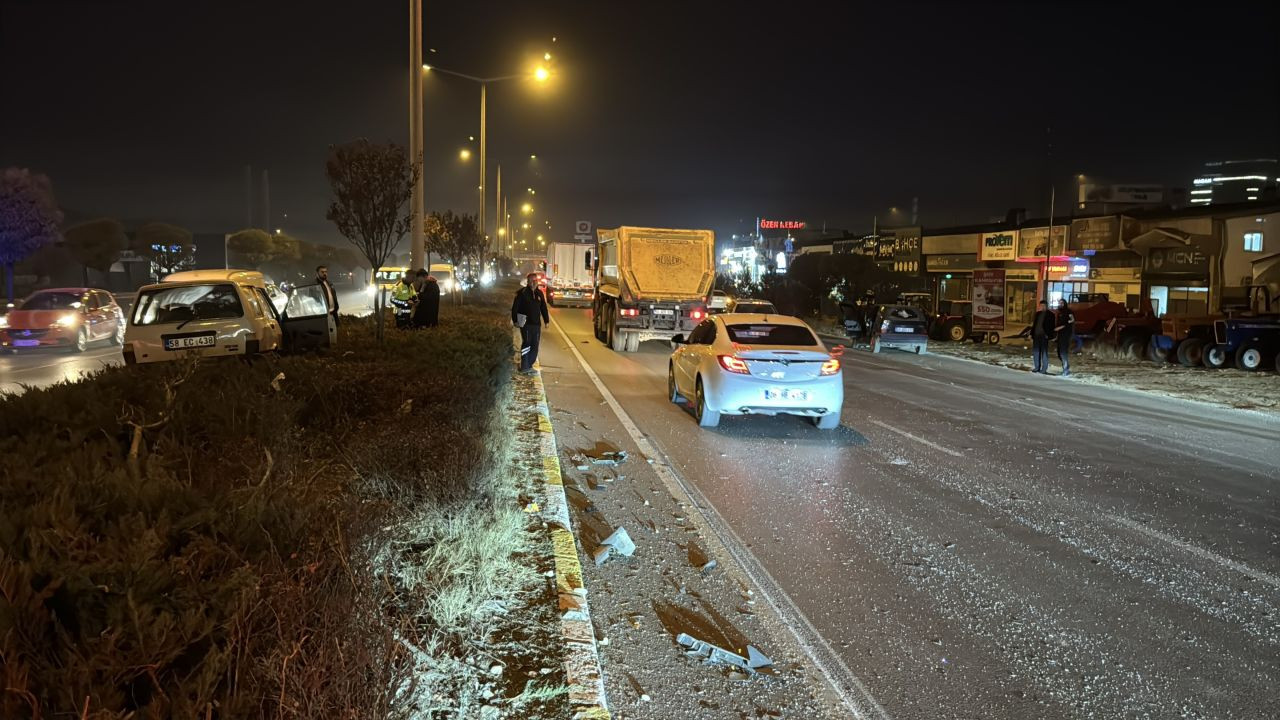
(582, 666)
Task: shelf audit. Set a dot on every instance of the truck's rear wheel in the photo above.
(1190, 352)
(633, 342)
(617, 338)
(1250, 357)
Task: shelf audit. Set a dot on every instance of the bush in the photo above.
(187, 540)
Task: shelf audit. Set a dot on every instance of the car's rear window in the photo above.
(177, 304)
(52, 301)
(902, 312)
(761, 308)
(770, 334)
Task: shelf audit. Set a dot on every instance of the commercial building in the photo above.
(1235, 181)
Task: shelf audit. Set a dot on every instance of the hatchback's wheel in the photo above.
(673, 392)
(955, 332)
(706, 417)
(82, 341)
(1249, 357)
(1190, 352)
(117, 338)
(1278, 362)
(875, 344)
(1215, 357)
(830, 421)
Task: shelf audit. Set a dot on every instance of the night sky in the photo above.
(658, 114)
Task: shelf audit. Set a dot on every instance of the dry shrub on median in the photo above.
(226, 571)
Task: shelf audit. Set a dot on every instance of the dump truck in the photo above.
(650, 283)
(569, 277)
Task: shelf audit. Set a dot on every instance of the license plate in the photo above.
(190, 342)
(664, 312)
(903, 329)
(785, 394)
(26, 343)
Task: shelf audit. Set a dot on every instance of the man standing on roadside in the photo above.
(1066, 329)
(330, 297)
(529, 312)
(1041, 331)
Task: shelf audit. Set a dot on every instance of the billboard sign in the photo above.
(1001, 245)
(1031, 242)
(988, 299)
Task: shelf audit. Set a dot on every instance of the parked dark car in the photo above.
(900, 327)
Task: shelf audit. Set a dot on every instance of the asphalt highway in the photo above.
(976, 541)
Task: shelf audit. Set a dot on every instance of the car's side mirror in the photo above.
(678, 340)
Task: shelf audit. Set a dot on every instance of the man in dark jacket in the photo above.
(427, 311)
(1041, 332)
(331, 297)
(529, 312)
(1066, 329)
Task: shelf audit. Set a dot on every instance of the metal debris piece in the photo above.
(714, 653)
(601, 554)
(619, 540)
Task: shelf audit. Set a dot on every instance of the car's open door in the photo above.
(306, 323)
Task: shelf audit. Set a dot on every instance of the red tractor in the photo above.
(1102, 320)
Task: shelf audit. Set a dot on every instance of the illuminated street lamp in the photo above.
(541, 74)
(526, 208)
(464, 154)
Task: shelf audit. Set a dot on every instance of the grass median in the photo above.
(275, 537)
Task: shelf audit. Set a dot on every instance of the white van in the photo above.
(223, 312)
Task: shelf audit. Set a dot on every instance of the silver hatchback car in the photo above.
(752, 364)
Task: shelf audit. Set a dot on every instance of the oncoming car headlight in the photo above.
(68, 320)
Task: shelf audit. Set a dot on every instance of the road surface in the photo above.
(980, 542)
(38, 368)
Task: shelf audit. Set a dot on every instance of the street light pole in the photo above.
(497, 210)
(483, 157)
(417, 249)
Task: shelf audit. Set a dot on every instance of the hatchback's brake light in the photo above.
(831, 367)
(734, 364)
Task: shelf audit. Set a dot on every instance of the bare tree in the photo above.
(29, 218)
(371, 185)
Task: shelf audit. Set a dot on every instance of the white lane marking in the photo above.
(769, 587)
(1199, 552)
(918, 439)
(66, 361)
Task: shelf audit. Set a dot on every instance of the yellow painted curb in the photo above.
(582, 664)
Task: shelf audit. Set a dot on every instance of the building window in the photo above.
(1253, 242)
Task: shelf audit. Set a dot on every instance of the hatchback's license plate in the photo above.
(190, 342)
(26, 343)
(785, 394)
(664, 312)
(903, 329)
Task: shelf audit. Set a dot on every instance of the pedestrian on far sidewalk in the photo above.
(1041, 332)
(529, 313)
(427, 311)
(1066, 330)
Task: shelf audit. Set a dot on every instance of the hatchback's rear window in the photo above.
(770, 334)
(180, 303)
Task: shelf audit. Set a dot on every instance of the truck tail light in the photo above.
(831, 367)
(697, 314)
(734, 364)
(630, 312)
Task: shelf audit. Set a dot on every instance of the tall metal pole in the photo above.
(497, 212)
(1048, 246)
(417, 247)
(484, 161)
(266, 202)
